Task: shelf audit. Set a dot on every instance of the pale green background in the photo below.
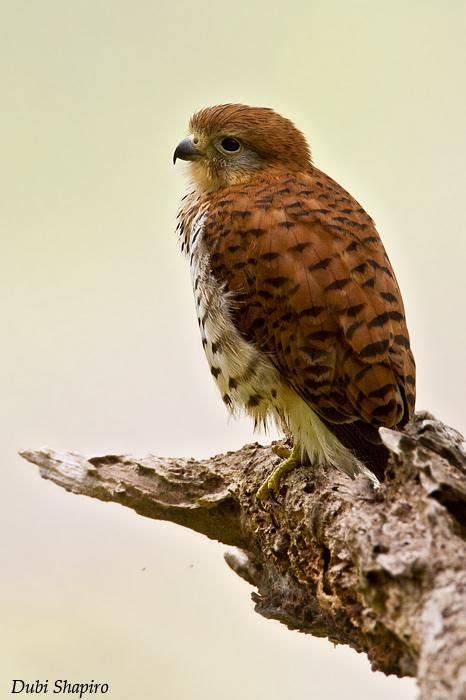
(100, 349)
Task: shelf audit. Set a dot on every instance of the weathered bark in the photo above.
(383, 570)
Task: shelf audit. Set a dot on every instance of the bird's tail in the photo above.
(363, 440)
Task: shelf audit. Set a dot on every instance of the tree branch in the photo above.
(382, 570)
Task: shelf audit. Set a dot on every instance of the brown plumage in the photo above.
(303, 278)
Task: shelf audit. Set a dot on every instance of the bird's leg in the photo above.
(272, 483)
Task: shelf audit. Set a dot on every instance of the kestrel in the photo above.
(300, 314)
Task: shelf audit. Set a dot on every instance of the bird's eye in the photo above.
(230, 144)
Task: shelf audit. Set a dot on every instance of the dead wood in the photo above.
(382, 570)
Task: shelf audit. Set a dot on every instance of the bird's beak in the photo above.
(186, 151)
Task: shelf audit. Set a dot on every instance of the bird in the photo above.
(300, 314)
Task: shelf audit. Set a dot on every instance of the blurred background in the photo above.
(100, 349)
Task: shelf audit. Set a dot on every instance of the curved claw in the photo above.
(281, 450)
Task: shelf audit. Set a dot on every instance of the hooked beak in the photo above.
(186, 151)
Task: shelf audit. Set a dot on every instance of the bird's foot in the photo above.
(281, 450)
(272, 483)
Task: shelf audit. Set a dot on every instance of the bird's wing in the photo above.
(314, 289)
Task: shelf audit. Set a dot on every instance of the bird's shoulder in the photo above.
(309, 196)
(301, 223)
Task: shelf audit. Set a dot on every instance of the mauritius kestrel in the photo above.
(300, 314)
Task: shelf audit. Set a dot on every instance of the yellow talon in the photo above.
(272, 483)
(281, 450)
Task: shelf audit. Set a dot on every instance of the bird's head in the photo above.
(229, 144)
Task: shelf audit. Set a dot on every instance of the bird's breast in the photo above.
(244, 375)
